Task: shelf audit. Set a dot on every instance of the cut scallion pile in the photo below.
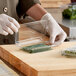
(70, 51)
(36, 48)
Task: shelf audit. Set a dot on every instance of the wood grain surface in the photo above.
(49, 63)
(54, 3)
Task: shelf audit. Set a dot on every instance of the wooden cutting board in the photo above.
(49, 63)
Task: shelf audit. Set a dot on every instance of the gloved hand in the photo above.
(57, 35)
(8, 25)
(48, 25)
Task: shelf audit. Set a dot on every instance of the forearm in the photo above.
(36, 12)
(24, 5)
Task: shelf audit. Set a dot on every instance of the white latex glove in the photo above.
(57, 35)
(8, 25)
(49, 25)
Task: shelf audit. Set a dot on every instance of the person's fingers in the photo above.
(52, 39)
(7, 29)
(60, 39)
(14, 22)
(12, 27)
(2, 31)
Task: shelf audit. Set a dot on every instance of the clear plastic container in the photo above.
(34, 45)
(30, 41)
(69, 52)
(33, 41)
